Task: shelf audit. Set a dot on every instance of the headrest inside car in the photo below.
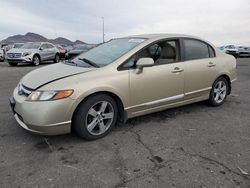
(168, 52)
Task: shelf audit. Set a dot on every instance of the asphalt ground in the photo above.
(190, 146)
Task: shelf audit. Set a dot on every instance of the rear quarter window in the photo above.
(211, 51)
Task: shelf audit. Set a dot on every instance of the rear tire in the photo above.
(57, 58)
(12, 64)
(95, 117)
(219, 91)
(36, 60)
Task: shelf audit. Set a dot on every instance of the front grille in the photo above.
(230, 51)
(14, 55)
(23, 90)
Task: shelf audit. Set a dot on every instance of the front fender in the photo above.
(92, 91)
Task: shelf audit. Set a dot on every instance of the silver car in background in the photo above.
(33, 53)
(1, 55)
(244, 51)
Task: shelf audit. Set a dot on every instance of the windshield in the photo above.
(231, 47)
(79, 48)
(17, 45)
(31, 46)
(109, 52)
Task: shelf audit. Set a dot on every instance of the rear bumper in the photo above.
(232, 81)
(62, 55)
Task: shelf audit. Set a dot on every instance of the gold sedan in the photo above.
(121, 79)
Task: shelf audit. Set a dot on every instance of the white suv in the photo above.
(230, 49)
(34, 53)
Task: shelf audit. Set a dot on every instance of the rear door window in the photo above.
(195, 49)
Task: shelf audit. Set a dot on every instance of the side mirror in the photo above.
(41, 48)
(143, 62)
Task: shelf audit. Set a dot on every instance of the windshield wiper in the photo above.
(89, 62)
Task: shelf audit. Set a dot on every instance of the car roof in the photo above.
(34, 42)
(162, 35)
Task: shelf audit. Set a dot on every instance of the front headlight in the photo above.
(26, 53)
(49, 95)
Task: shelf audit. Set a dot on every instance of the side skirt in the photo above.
(166, 106)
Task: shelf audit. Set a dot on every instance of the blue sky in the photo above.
(219, 21)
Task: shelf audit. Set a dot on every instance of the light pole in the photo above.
(103, 34)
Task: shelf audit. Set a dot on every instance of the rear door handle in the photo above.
(177, 69)
(211, 64)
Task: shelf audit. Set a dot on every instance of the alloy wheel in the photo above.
(99, 117)
(220, 91)
(36, 61)
(57, 58)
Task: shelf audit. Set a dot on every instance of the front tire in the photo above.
(95, 117)
(36, 60)
(219, 91)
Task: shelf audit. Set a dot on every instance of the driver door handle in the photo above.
(177, 69)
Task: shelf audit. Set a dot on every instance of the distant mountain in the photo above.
(33, 37)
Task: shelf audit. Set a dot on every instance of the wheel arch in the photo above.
(37, 54)
(56, 54)
(122, 115)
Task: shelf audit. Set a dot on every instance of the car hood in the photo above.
(51, 73)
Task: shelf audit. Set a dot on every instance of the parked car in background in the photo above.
(33, 53)
(62, 51)
(67, 47)
(121, 79)
(77, 50)
(1, 55)
(230, 49)
(18, 45)
(5, 47)
(244, 51)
